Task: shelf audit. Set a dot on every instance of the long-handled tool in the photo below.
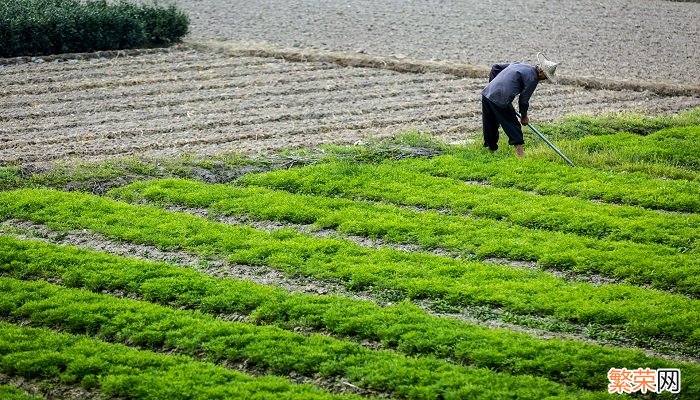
(547, 141)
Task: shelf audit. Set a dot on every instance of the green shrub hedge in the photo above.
(38, 27)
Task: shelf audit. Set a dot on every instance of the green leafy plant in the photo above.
(402, 327)
(38, 27)
(263, 347)
(123, 372)
(417, 275)
(8, 392)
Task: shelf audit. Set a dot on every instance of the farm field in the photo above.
(368, 272)
(294, 204)
(207, 101)
(616, 39)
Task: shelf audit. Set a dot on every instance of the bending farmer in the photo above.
(505, 82)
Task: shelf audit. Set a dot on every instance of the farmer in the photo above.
(505, 82)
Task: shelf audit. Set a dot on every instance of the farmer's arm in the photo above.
(524, 98)
(496, 69)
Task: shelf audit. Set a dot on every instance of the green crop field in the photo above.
(406, 268)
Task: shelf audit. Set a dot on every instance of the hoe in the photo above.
(548, 142)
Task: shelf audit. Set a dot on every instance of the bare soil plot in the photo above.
(202, 102)
(617, 39)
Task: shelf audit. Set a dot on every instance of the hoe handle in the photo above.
(547, 141)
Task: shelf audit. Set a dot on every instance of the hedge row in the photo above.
(39, 27)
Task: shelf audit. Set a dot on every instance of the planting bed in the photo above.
(166, 103)
(407, 268)
(418, 278)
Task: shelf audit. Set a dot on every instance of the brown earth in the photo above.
(219, 99)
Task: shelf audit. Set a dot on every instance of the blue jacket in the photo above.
(509, 80)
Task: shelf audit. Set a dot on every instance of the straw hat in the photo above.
(548, 67)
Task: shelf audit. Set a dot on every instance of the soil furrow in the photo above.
(104, 59)
(228, 137)
(145, 79)
(251, 94)
(243, 81)
(214, 119)
(54, 390)
(221, 132)
(89, 72)
(268, 108)
(223, 116)
(82, 114)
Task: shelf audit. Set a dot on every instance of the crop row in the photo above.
(172, 95)
(219, 114)
(546, 177)
(636, 262)
(400, 184)
(9, 392)
(402, 327)
(263, 348)
(428, 229)
(394, 184)
(678, 146)
(645, 158)
(121, 372)
(561, 214)
(639, 312)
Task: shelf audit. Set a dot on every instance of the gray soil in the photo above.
(206, 99)
(213, 100)
(622, 39)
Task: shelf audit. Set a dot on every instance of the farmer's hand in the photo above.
(524, 120)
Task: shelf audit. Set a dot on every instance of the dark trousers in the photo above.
(494, 116)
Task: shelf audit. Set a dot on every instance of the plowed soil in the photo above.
(184, 101)
(203, 102)
(618, 39)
